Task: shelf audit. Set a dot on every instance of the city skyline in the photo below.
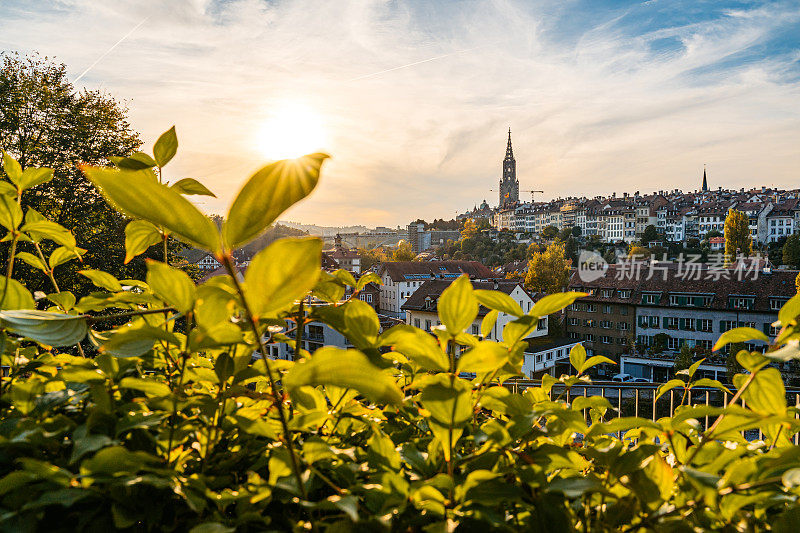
(414, 100)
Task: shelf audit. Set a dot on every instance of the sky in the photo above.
(413, 100)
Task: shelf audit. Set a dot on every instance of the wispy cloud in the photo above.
(416, 96)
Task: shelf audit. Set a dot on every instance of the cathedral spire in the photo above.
(509, 150)
(705, 181)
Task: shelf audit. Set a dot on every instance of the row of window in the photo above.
(689, 300)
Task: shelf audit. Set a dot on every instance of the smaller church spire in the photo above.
(509, 150)
(705, 180)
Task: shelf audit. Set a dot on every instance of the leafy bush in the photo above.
(180, 421)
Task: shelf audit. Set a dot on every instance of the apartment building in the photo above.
(402, 278)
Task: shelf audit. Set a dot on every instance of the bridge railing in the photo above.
(639, 399)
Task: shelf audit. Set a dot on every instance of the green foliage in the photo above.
(791, 251)
(181, 422)
(548, 271)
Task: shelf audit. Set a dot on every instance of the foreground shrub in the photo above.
(151, 405)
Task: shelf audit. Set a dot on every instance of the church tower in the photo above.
(705, 181)
(509, 186)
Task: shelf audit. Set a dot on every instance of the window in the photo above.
(416, 322)
(672, 322)
(549, 356)
(538, 358)
(773, 330)
(605, 339)
(607, 309)
(606, 324)
(622, 326)
(704, 344)
(573, 321)
(739, 302)
(653, 321)
(726, 325)
(590, 337)
(688, 324)
(705, 324)
(475, 329)
(650, 298)
(574, 335)
(427, 325)
(623, 310)
(590, 308)
(607, 293)
(673, 344)
(775, 304)
(624, 293)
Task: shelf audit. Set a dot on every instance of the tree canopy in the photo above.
(737, 234)
(548, 271)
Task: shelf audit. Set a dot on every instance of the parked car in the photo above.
(641, 380)
(622, 378)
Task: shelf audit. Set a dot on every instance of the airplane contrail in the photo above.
(412, 64)
(76, 80)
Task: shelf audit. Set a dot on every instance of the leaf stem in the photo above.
(276, 394)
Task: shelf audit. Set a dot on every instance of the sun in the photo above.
(291, 130)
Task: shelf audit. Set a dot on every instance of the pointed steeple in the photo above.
(509, 150)
(705, 181)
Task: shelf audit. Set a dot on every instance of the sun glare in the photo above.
(290, 131)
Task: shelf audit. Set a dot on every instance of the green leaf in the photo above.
(138, 196)
(282, 273)
(458, 306)
(139, 236)
(486, 356)
(166, 147)
(62, 254)
(171, 285)
(751, 361)
(712, 383)
(31, 177)
(101, 279)
(150, 387)
(191, 186)
(500, 301)
(132, 341)
(33, 260)
(577, 357)
(267, 194)
(691, 370)
(12, 168)
(51, 329)
(790, 310)
(362, 324)
(45, 229)
(739, 335)
(448, 400)
(10, 212)
(344, 368)
(766, 394)
(65, 300)
(555, 302)
(212, 527)
(417, 345)
(88, 444)
(369, 277)
(14, 295)
(518, 329)
(596, 360)
(136, 161)
(488, 322)
(669, 385)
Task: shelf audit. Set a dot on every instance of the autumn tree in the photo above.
(548, 271)
(371, 257)
(469, 230)
(403, 252)
(737, 234)
(638, 252)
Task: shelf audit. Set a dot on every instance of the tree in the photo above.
(683, 359)
(564, 234)
(650, 234)
(737, 235)
(550, 232)
(610, 256)
(576, 231)
(797, 283)
(403, 252)
(371, 257)
(638, 252)
(791, 251)
(469, 230)
(713, 233)
(548, 271)
(46, 122)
